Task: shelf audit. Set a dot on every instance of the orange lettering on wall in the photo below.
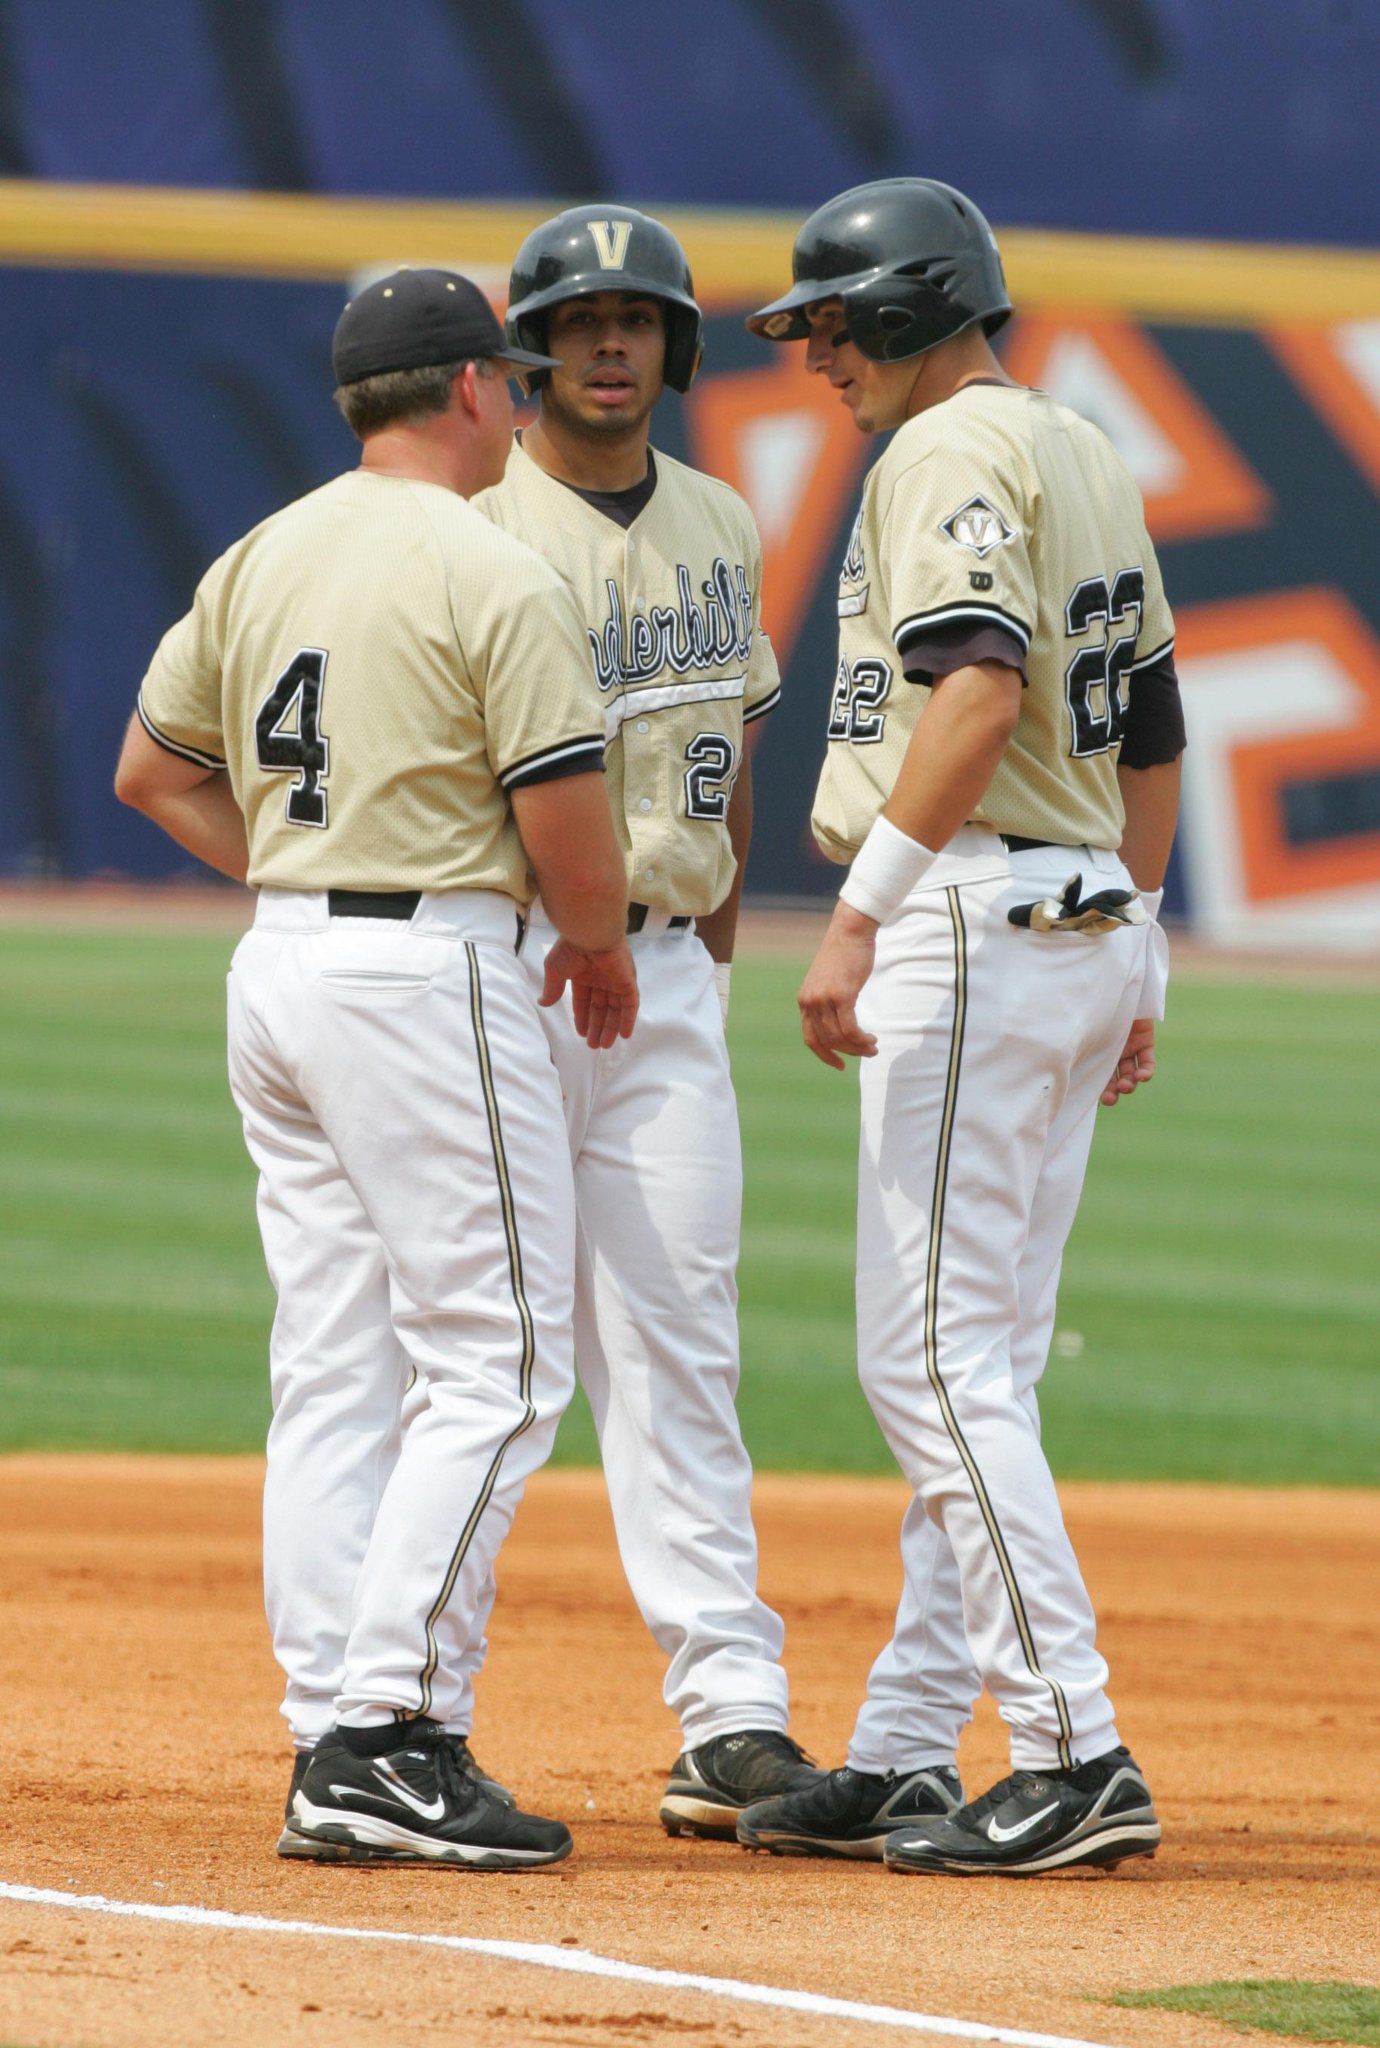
(782, 439)
(1261, 769)
(1314, 360)
(1194, 481)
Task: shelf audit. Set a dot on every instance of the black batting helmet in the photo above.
(912, 260)
(606, 249)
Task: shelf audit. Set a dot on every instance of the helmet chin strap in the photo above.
(922, 363)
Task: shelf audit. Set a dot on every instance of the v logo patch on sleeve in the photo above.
(979, 526)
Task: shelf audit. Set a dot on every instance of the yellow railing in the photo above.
(735, 256)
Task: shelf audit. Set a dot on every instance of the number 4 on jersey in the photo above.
(289, 738)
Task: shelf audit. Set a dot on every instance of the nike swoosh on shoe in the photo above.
(396, 1794)
(1022, 1827)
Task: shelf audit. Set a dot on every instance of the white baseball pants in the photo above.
(653, 1130)
(398, 1100)
(977, 1120)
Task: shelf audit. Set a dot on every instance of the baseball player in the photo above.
(379, 711)
(665, 565)
(1002, 774)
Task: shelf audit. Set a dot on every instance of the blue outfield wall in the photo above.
(1133, 116)
(150, 421)
(158, 409)
(153, 418)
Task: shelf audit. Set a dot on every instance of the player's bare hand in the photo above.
(829, 993)
(1137, 1062)
(603, 990)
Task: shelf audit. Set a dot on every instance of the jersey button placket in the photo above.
(642, 773)
(641, 726)
(640, 759)
(639, 802)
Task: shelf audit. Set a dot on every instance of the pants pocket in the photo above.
(376, 981)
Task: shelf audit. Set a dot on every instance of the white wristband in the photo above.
(887, 867)
(723, 971)
(1155, 980)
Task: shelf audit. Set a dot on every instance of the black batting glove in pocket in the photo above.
(1071, 911)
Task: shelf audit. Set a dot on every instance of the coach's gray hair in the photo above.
(373, 403)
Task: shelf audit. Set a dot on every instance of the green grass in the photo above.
(133, 1297)
(1220, 1291)
(1313, 2012)
(1220, 1303)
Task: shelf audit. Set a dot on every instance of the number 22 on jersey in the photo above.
(859, 689)
(1095, 680)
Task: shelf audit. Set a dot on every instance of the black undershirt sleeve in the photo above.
(936, 653)
(1154, 716)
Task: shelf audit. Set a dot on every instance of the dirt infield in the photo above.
(145, 1763)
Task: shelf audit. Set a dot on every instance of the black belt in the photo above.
(398, 903)
(402, 903)
(1014, 843)
(638, 914)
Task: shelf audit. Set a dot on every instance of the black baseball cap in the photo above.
(418, 317)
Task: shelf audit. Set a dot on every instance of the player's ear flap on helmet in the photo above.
(521, 334)
(684, 350)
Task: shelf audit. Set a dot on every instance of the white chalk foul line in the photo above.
(578, 1962)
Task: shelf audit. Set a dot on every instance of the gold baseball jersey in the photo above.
(376, 666)
(997, 525)
(672, 610)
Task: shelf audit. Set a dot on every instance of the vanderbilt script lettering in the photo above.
(678, 637)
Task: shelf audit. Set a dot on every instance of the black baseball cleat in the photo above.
(709, 1787)
(414, 1804)
(301, 1758)
(848, 1813)
(464, 1756)
(471, 1766)
(1099, 1813)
